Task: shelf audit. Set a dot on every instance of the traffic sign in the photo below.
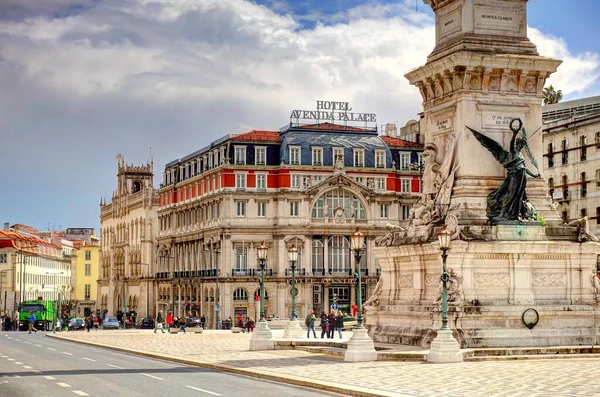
(334, 306)
(217, 307)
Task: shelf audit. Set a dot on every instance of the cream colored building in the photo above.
(571, 140)
(127, 254)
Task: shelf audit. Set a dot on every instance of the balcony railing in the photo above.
(163, 275)
(299, 272)
(251, 273)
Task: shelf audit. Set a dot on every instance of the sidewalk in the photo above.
(224, 351)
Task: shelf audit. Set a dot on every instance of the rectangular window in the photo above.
(405, 185)
(294, 206)
(338, 153)
(317, 156)
(88, 255)
(597, 140)
(240, 155)
(295, 155)
(598, 177)
(261, 181)
(240, 181)
(3, 258)
(404, 161)
(380, 159)
(88, 292)
(384, 210)
(583, 185)
(405, 212)
(359, 157)
(241, 259)
(565, 154)
(296, 179)
(380, 183)
(262, 209)
(88, 269)
(240, 208)
(260, 154)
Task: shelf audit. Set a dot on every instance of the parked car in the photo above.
(349, 323)
(147, 323)
(110, 323)
(193, 322)
(76, 323)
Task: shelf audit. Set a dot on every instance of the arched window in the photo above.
(257, 295)
(137, 186)
(339, 254)
(317, 257)
(338, 203)
(240, 295)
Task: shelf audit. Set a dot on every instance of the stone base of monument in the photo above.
(360, 347)
(444, 348)
(501, 293)
(262, 337)
(293, 330)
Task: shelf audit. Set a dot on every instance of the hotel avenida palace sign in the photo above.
(332, 111)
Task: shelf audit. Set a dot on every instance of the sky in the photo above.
(84, 80)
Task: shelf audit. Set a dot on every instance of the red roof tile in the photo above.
(397, 142)
(332, 127)
(259, 135)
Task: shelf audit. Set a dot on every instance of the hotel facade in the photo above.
(308, 186)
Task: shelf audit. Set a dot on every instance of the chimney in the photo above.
(391, 130)
(6, 226)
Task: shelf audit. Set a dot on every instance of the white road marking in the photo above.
(49, 377)
(80, 393)
(18, 340)
(38, 345)
(63, 384)
(89, 359)
(203, 391)
(114, 366)
(26, 366)
(68, 354)
(29, 343)
(151, 376)
(11, 359)
(51, 349)
(18, 363)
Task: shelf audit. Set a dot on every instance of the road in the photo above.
(32, 365)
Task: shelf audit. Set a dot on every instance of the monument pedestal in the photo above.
(293, 330)
(444, 348)
(262, 337)
(360, 347)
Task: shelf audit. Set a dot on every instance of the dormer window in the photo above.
(295, 155)
(404, 161)
(317, 156)
(240, 155)
(359, 157)
(260, 155)
(380, 158)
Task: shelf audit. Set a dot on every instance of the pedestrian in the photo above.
(323, 324)
(239, 320)
(331, 324)
(182, 324)
(339, 322)
(32, 322)
(250, 325)
(169, 321)
(159, 322)
(203, 321)
(310, 324)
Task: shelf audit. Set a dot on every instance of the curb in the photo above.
(288, 379)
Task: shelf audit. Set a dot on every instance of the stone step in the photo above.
(527, 351)
(531, 357)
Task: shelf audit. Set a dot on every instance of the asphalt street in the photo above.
(34, 365)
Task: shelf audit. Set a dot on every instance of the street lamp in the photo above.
(293, 257)
(357, 243)
(360, 347)
(263, 251)
(444, 348)
(262, 337)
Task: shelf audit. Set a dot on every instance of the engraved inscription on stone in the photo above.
(492, 18)
(449, 24)
(493, 119)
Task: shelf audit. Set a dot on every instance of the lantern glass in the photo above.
(445, 238)
(293, 254)
(357, 240)
(262, 251)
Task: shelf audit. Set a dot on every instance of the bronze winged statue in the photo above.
(509, 201)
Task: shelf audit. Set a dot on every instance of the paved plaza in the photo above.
(226, 351)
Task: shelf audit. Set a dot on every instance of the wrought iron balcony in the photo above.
(251, 273)
(299, 272)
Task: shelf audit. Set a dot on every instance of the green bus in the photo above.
(44, 314)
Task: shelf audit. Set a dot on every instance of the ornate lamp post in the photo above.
(357, 243)
(444, 348)
(293, 329)
(360, 345)
(262, 337)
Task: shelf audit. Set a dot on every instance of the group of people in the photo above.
(7, 323)
(174, 322)
(329, 324)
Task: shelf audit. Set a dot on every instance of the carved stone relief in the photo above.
(549, 279)
(432, 280)
(491, 280)
(405, 281)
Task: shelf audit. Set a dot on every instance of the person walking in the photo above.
(182, 324)
(310, 324)
(159, 322)
(323, 324)
(339, 322)
(330, 324)
(32, 322)
(169, 321)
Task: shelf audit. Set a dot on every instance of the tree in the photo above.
(551, 95)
